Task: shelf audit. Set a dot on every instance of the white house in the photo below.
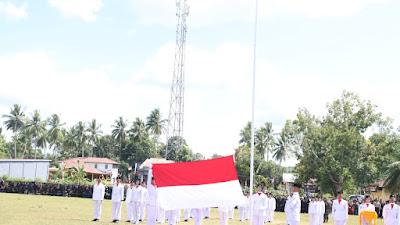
(25, 168)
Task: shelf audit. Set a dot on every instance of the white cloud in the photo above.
(86, 9)
(107, 67)
(12, 12)
(217, 92)
(131, 33)
(220, 11)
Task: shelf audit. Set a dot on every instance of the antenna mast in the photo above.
(176, 107)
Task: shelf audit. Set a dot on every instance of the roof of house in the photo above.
(380, 183)
(91, 160)
(150, 161)
(25, 160)
(87, 168)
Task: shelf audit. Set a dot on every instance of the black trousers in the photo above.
(326, 217)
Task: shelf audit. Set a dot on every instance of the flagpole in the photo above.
(252, 118)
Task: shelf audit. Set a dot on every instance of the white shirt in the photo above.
(145, 195)
(117, 193)
(98, 191)
(137, 193)
(152, 190)
(367, 207)
(312, 208)
(129, 194)
(340, 211)
(271, 203)
(391, 214)
(259, 203)
(294, 206)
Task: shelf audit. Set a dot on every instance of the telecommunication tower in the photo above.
(176, 107)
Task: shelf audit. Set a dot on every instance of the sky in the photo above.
(104, 59)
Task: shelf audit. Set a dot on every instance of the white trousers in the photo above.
(339, 222)
(223, 218)
(320, 219)
(293, 222)
(116, 210)
(247, 213)
(258, 219)
(270, 215)
(160, 215)
(151, 215)
(198, 216)
(129, 210)
(136, 212)
(231, 213)
(97, 208)
(178, 215)
(313, 219)
(171, 216)
(186, 214)
(207, 212)
(365, 221)
(142, 211)
(241, 213)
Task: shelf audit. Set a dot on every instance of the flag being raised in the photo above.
(206, 183)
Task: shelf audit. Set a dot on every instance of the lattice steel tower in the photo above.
(176, 107)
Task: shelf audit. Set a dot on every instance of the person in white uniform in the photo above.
(312, 211)
(286, 209)
(242, 209)
(223, 214)
(117, 197)
(186, 214)
(98, 196)
(198, 216)
(259, 206)
(247, 206)
(271, 206)
(137, 199)
(320, 211)
(144, 203)
(340, 210)
(367, 206)
(294, 206)
(391, 212)
(128, 201)
(152, 202)
(207, 212)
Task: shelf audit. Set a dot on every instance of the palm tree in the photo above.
(15, 121)
(80, 132)
(245, 135)
(36, 127)
(265, 140)
(392, 183)
(94, 133)
(282, 150)
(119, 132)
(55, 133)
(138, 130)
(79, 173)
(70, 142)
(25, 139)
(155, 124)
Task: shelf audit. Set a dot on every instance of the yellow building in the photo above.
(378, 191)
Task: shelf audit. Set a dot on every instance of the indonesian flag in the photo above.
(130, 168)
(206, 183)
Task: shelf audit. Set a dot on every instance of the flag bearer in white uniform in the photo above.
(247, 206)
(242, 209)
(286, 209)
(186, 214)
(294, 205)
(144, 203)
(259, 206)
(231, 212)
(312, 211)
(367, 206)
(98, 196)
(116, 198)
(271, 206)
(391, 212)
(128, 202)
(206, 212)
(137, 199)
(223, 214)
(198, 216)
(340, 210)
(152, 203)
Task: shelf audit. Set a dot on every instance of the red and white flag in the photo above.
(206, 183)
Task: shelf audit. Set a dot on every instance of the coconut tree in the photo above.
(55, 133)
(81, 136)
(282, 149)
(119, 132)
(138, 130)
(245, 135)
(155, 125)
(264, 140)
(94, 133)
(36, 127)
(15, 121)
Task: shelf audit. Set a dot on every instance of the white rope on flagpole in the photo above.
(252, 118)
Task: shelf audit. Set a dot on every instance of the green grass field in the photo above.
(36, 209)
